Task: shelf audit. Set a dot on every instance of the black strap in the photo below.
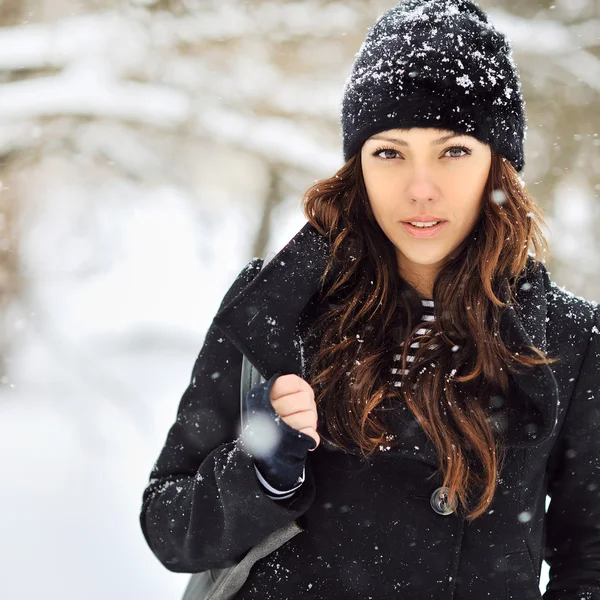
(250, 375)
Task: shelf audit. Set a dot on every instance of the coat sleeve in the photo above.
(204, 506)
(573, 518)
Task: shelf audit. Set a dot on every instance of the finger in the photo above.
(290, 405)
(309, 396)
(302, 419)
(290, 384)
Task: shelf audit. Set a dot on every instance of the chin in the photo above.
(420, 258)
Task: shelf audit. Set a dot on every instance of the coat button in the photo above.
(439, 501)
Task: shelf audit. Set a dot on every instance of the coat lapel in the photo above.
(262, 323)
(530, 414)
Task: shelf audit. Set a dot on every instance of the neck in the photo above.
(421, 278)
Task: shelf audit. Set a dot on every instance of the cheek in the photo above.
(384, 209)
(373, 186)
(471, 214)
(380, 200)
(378, 210)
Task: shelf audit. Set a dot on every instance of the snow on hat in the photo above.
(435, 63)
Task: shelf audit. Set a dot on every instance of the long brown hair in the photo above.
(371, 309)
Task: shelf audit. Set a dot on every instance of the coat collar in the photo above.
(262, 319)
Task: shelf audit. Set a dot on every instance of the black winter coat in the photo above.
(377, 530)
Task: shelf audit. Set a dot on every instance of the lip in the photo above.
(422, 232)
(423, 219)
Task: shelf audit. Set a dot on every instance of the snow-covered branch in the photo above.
(90, 92)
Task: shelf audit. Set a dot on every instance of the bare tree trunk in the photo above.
(272, 199)
(9, 281)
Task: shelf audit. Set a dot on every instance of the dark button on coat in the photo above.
(370, 530)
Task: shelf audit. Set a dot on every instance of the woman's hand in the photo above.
(294, 401)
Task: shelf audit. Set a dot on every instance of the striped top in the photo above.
(428, 317)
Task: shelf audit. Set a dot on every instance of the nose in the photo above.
(422, 184)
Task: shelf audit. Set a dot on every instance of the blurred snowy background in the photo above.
(148, 150)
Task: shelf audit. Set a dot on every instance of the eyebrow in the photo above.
(400, 142)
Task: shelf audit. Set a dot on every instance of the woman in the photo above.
(428, 385)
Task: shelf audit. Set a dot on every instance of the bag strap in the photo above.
(250, 375)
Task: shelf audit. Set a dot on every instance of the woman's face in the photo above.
(423, 171)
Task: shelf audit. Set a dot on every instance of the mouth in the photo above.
(423, 232)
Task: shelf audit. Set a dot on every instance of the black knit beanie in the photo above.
(435, 63)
